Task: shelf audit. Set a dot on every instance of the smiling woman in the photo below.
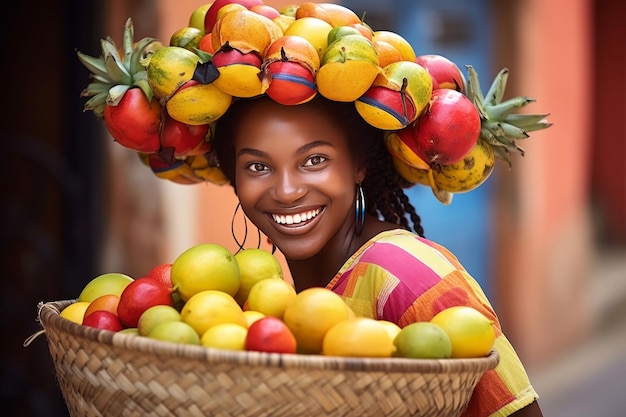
(318, 181)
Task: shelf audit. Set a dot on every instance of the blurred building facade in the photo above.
(77, 205)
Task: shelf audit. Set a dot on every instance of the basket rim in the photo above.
(51, 321)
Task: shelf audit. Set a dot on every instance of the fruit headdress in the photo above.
(162, 101)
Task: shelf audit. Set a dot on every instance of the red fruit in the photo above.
(395, 103)
(265, 10)
(211, 14)
(290, 82)
(162, 273)
(445, 73)
(182, 138)
(103, 319)
(270, 334)
(140, 295)
(448, 130)
(135, 123)
(232, 56)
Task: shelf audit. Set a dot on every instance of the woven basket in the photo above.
(102, 373)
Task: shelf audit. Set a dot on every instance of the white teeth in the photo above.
(296, 218)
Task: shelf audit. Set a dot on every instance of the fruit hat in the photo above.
(162, 101)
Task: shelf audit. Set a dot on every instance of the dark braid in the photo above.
(384, 190)
(383, 186)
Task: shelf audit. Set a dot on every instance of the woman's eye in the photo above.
(257, 167)
(315, 160)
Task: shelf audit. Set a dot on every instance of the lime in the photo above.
(422, 340)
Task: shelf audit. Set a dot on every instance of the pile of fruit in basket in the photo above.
(162, 100)
(211, 297)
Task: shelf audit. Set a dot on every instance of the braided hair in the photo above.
(383, 186)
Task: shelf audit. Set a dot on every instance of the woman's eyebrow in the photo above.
(251, 151)
(313, 145)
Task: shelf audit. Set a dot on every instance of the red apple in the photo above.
(290, 82)
(444, 72)
(211, 13)
(103, 319)
(270, 334)
(162, 273)
(265, 10)
(140, 295)
(181, 137)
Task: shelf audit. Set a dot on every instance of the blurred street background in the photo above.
(546, 239)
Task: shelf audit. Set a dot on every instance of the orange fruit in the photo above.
(106, 302)
(471, 333)
(311, 313)
(358, 337)
(399, 42)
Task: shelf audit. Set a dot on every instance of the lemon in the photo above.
(313, 29)
(422, 340)
(252, 316)
(271, 297)
(311, 314)
(75, 311)
(209, 308)
(392, 328)
(471, 333)
(255, 265)
(206, 266)
(358, 337)
(229, 336)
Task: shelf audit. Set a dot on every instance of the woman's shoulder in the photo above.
(404, 247)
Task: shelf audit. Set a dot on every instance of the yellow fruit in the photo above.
(471, 333)
(271, 297)
(229, 336)
(358, 337)
(206, 266)
(109, 283)
(312, 29)
(245, 31)
(468, 173)
(400, 150)
(198, 104)
(255, 265)
(411, 174)
(392, 328)
(209, 308)
(349, 66)
(397, 41)
(311, 313)
(252, 316)
(422, 340)
(169, 68)
(75, 311)
(240, 80)
(283, 21)
(387, 53)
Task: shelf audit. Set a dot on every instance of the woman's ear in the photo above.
(360, 173)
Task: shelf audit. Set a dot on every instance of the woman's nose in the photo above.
(288, 187)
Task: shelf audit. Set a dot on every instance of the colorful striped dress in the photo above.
(400, 277)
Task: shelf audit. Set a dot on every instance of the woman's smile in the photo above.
(295, 219)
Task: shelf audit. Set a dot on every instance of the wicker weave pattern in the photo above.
(102, 373)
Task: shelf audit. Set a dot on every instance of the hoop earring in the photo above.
(360, 209)
(241, 244)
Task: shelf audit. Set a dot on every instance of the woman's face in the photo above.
(295, 177)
